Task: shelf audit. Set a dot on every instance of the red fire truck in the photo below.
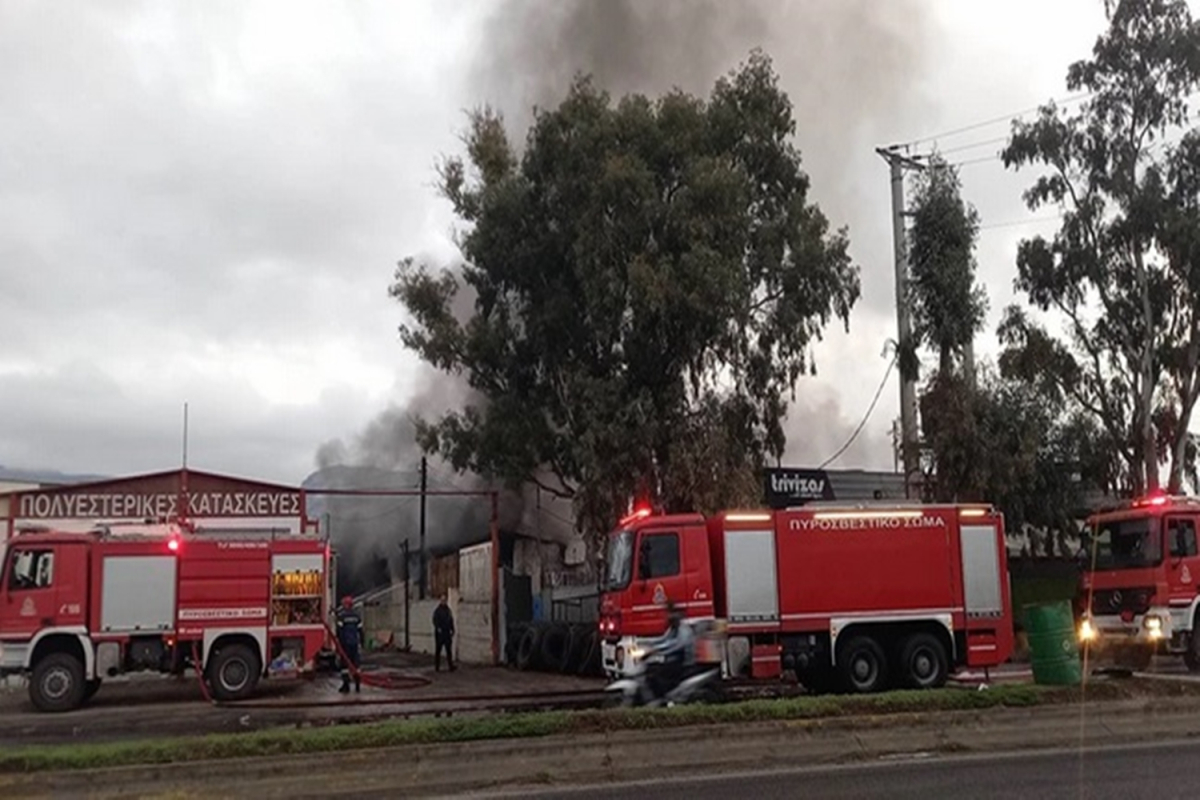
(76, 608)
(860, 597)
(1141, 581)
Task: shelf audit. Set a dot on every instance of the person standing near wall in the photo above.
(443, 635)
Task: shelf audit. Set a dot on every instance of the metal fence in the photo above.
(582, 609)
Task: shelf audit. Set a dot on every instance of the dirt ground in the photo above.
(142, 707)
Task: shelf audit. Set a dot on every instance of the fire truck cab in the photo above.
(1141, 581)
(76, 608)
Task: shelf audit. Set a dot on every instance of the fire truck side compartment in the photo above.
(750, 576)
(981, 571)
(850, 568)
(138, 594)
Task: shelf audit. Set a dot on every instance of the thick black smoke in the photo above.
(368, 531)
(848, 66)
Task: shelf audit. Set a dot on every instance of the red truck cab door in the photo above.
(30, 594)
(44, 586)
(668, 567)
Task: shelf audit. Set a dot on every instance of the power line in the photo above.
(870, 410)
(970, 161)
(984, 143)
(1012, 223)
(1004, 118)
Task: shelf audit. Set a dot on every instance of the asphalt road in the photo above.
(1159, 771)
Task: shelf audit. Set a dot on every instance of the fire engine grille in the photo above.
(1114, 601)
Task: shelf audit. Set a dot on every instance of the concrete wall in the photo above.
(471, 605)
(383, 618)
(474, 617)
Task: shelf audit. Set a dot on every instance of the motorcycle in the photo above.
(634, 689)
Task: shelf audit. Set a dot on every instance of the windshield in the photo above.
(619, 560)
(1126, 544)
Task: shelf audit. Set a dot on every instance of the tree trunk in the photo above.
(1189, 390)
(1146, 401)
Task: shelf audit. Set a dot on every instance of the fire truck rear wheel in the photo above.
(923, 663)
(1191, 656)
(233, 673)
(862, 665)
(57, 683)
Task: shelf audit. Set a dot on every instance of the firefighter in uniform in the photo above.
(350, 637)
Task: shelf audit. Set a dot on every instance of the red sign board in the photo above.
(161, 495)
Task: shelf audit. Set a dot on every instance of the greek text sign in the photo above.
(160, 496)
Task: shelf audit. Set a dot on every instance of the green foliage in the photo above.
(1008, 442)
(948, 306)
(648, 278)
(1126, 245)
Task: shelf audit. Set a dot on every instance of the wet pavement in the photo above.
(148, 706)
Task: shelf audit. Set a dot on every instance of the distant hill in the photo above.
(48, 476)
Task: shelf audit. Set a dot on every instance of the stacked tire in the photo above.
(567, 648)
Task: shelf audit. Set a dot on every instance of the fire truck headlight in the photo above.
(1087, 631)
(635, 654)
(1153, 626)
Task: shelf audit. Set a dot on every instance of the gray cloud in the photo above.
(81, 417)
(205, 201)
(188, 213)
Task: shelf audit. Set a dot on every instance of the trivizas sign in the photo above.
(792, 487)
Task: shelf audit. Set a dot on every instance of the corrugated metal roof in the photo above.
(859, 484)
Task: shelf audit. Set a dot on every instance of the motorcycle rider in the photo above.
(678, 649)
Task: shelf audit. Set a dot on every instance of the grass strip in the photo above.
(333, 738)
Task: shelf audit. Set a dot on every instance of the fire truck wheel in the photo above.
(923, 663)
(57, 683)
(233, 673)
(863, 665)
(1191, 656)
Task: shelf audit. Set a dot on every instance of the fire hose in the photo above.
(383, 678)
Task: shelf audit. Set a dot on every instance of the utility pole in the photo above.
(910, 452)
(407, 594)
(424, 489)
(895, 445)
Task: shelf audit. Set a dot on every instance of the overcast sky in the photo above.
(205, 201)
